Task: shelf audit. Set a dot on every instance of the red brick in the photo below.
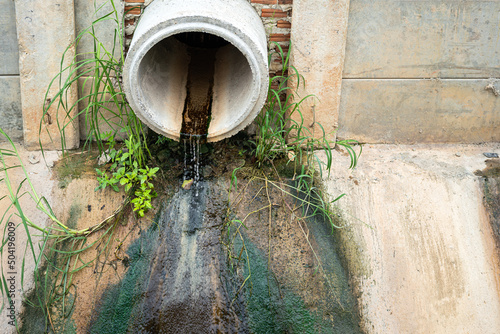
(285, 2)
(284, 24)
(279, 37)
(283, 47)
(133, 10)
(266, 2)
(271, 12)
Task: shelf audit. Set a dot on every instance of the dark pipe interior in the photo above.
(201, 49)
(201, 40)
(192, 82)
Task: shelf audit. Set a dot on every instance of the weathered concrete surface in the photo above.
(421, 248)
(397, 40)
(10, 107)
(9, 52)
(84, 207)
(40, 176)
(423, 39)
(318, 37)
(10, 98)
(45, 30)
(419, 111)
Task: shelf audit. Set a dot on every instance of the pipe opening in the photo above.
(195, 83)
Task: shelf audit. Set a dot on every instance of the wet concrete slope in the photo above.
(174, 283)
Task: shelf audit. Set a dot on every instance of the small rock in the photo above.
(34, 158)
(490, 155)
(163, 155)
(104, 158)
(207, 171)
(458, 154)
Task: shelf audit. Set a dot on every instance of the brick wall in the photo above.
(276, 16)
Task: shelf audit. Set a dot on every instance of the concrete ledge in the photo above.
(421, 247)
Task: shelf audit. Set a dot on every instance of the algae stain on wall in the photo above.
(273, 307)
(266, 302)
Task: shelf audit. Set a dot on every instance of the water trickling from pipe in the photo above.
(202, 49)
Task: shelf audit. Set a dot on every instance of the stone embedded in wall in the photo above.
(10, 98)
(423, 39)
(9, 52)
(133, 11)
(10, 107)
(86, 12)
(277, 18)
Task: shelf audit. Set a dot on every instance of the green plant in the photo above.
(281, 130)
(106, 106)
(281, 133)
(125, 171)
(57, 254)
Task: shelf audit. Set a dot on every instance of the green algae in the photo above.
(338, 300)
(271, 308)
(491, 199)
(167, 286)
(266, 311)
(121, 302)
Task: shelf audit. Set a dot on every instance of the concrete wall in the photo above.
(420, 71)
(318, 48)
(415, 71)
(10, 96)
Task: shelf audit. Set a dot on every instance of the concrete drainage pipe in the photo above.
(187, 51)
